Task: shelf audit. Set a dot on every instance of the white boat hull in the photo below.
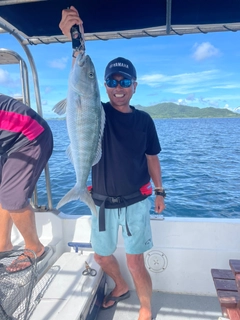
(185, 249)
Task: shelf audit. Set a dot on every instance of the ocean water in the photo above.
(200, 162)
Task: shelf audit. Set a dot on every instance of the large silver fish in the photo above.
(85, 124)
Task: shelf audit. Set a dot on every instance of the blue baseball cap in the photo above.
(120, 66)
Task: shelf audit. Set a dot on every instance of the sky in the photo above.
(199, 70)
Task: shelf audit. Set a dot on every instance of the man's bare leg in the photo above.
(143, 284)
(110, 266)
(5, 230)
(24, 220)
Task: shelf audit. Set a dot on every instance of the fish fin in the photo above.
(99, 148)
(71, 195)
(76, 194)
(60, 107)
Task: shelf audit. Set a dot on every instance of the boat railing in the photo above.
(10, 57)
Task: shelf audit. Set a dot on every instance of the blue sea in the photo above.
(200, 162)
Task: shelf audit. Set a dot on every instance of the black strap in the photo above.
(113, 200)
(102, 216)
(128, 231)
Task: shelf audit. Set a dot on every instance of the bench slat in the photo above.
(222, 274)
(225, 285)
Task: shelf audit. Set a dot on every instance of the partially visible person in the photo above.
(120, 181)
(26, 144)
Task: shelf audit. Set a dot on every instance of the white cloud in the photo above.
(4, 76)
(180, 101)
(227, 86)
(44, 102)
(204, 50)
(154, 79)
(48, 89)
(213, 101)
(58, 63)
(185, 83)
(17, 95)
(225, 97)
(237, 110)
(9, 80)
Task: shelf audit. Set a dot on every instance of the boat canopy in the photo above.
(37, 20)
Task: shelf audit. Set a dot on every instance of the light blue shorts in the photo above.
(104, 243)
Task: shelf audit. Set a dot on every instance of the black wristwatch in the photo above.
(160, 193)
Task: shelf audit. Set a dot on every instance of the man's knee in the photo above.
(135, 262)
(102, 260)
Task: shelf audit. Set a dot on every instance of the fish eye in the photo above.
(91, 75)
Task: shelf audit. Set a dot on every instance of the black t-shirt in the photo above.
(127, 137)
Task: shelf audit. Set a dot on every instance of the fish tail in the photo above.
(77, 194)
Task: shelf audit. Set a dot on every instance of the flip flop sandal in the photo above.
(25, 260)
(110, 297)
(5, 254)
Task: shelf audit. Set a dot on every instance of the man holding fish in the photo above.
(121, 180)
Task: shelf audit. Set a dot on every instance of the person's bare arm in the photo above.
(154, 169)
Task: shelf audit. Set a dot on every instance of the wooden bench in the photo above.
(227, 284)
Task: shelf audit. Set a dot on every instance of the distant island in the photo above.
(171, 110)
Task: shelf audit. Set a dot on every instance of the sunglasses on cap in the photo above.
(124, 83)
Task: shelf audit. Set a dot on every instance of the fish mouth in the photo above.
(83, 59)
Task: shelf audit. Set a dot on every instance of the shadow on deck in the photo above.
(168, 307)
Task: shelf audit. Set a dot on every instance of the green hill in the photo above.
(172, 110)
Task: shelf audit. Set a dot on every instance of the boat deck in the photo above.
(179, 264)
(168, 307)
